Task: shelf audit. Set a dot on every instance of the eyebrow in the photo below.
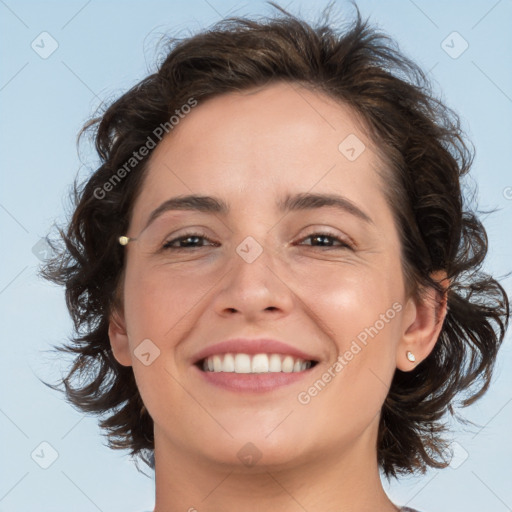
(295, 202)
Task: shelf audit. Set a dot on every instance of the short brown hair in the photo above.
(418, 137)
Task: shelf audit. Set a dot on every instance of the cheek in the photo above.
(157, 299)
(360, 316)
(359, 313)
(350, 298)
(362, 324)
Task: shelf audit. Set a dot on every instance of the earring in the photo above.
(411, 357)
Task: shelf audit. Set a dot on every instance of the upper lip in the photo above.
(252, 346)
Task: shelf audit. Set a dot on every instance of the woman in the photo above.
(273, 279)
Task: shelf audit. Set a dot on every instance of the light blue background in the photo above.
(105, 48)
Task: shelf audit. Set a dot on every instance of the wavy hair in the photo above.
(426, 152)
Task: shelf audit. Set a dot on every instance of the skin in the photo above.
(250, 149)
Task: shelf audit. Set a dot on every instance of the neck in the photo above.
(337, 481)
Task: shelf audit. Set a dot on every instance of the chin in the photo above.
(252, 447)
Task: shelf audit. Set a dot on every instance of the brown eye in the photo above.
(326, 240)
(187, 241)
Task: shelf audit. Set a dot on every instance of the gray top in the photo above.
(403, 509)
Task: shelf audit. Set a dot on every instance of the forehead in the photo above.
(284, 118)
(258, 144)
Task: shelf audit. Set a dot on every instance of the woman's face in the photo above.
(326, 280)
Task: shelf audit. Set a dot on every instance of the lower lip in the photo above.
(252, 382)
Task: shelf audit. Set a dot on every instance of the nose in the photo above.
(255, 288)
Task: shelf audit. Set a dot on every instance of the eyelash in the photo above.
(344, 245)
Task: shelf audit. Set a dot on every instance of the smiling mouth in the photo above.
(254, 363)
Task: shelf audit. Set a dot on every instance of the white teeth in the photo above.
(229, 363)
(287, 364)
(217, 364)
(274, 364)
(258, 363)
(242, 363)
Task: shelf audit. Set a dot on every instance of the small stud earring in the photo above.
(411, 357)
(123, 240)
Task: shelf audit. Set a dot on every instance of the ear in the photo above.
(422, 323)
(119, 338)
